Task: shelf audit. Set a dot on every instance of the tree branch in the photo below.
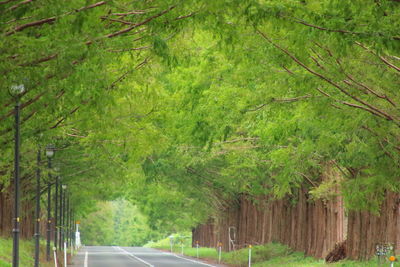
(51, 19)
(123, 76)
(351, 104)
(335, 30)
(384, 60)
(24, 105)
(331, 82)
(90, 6)
(281, 100)
(118, 20)
(6, 2)
(186, 16)
(40, 60)
(129, 49)
(31, 24)
(126, 30)
(134, 12)
(19, 4)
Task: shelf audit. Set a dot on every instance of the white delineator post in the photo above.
(55, 256)
(65, 254)
(171, 241)
(392, 259)
(182, 247)
(197, 249)
(219, 252)
(250, 255)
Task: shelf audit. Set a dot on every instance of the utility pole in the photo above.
(37, 212)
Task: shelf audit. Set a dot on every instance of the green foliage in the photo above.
(184, 105)
(179, 239)
(116, 223)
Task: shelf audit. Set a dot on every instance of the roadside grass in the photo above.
(268, 255)
(26, 253)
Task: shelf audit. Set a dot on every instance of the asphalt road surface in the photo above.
(132, 256)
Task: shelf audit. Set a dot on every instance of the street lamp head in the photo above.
(50, 149)
(17, 90)
(64, 186)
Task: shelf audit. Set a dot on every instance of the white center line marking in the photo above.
(198, 262)
(133, 256)
(86, 259)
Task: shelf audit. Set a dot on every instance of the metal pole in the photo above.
(56, 213)
(55, 257)
(65, 254)
(219, 252)
(250, 255)
(15, 262)
(71, 231)
(37, 212)
(60, 218)
(67, 221)
(48, 214)
(70, 225)
(63, 218)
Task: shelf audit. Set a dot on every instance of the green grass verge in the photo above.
(268, 255)
(26, 253)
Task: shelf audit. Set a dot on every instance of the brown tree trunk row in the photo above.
(366, 230)
(313, 227)
(27, 212)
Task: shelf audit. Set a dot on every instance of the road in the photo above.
(132, 256)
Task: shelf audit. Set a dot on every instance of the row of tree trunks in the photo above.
(310, 226)
(27, 216)
(313, 227)
(367, 230)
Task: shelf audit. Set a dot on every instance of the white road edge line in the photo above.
(86, 259)
(198, 262)
(135, 257)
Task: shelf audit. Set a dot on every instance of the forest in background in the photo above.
(116, 223)
(180, 107)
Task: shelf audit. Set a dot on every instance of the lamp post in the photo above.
(66, 219)
(16, 91)
(60, 245)
(63, 208)
(37, 212)
(49, 153)
(56, 221)
(67, 237)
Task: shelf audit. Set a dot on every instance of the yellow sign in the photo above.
(392, 258)
(78, 222)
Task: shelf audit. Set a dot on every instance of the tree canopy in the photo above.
(181, 106)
